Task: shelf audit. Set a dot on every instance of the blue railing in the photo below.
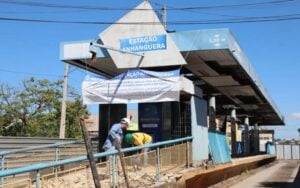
(38, 167)
(4, 154)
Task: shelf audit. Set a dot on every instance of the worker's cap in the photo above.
(125, 121)
(128, 138)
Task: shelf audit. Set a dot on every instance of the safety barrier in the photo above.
(141, 170)
(38, 154)
(4, 154)
(288, 151)
(160, 160)
(12, 143)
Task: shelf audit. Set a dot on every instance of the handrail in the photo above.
(40, 166)
(4, 153)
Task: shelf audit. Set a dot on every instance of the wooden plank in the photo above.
(90, 156)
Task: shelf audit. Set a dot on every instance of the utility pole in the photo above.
(63, 103)
(164, 16)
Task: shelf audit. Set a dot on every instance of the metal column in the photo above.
(38, 179)
(199, 130)
(233, 133)
(256, 139)
(212, 113)
(246, 137)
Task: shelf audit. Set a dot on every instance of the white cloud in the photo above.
(295, 116)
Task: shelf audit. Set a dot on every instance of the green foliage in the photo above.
(34, 109)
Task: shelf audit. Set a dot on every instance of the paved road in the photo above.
(284, 174)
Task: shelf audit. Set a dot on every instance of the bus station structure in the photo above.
(217, 81)
(196, 89)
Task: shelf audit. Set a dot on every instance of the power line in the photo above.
(42, 12)
(199, 9)
(207, 9)
(29, 73)
(38, 74)
(99, 8)
(239, 6)
(188, 22)
(62, 6)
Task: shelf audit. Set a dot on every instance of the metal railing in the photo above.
(4, 154)
(28, 153)
(38, 167)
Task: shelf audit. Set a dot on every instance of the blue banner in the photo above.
(138, 73)
(144, 43)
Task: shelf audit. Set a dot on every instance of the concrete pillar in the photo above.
(256, 139)
(108, 115)
(199, 130)
(246, 137)
(212, 113)
(233, 133)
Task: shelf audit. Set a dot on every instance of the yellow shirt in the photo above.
(140, 139)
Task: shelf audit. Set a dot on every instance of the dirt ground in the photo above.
(144, 177)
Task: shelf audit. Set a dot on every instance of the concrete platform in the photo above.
(198, 177)
(283, 174)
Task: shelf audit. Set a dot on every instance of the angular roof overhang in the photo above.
(215, 62)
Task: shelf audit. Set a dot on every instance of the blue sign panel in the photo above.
(150, 119)
(144, 43)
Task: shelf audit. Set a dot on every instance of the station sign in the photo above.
(140, 33)
(144, 43)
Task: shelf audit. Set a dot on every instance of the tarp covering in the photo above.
(132, 86)
(270, 148)
(219, 148)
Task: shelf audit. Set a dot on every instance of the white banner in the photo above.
(133, 86)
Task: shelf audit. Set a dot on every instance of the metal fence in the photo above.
(141, 170)
(12, 143)
(159, 161)
(288, 151)
(37, 153)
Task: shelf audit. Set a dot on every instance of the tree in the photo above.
(299, 131)
(34, 109)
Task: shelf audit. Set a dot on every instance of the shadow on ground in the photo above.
(279, 184)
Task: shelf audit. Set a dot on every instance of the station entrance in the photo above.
(162, 120)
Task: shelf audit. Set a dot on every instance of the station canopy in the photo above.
(212, 59)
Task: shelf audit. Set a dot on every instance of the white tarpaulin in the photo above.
(133, 86)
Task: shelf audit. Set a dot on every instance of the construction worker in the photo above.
(139, 139)
(115, 134)
(114, 138)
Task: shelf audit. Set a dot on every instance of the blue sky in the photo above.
(32, 49)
